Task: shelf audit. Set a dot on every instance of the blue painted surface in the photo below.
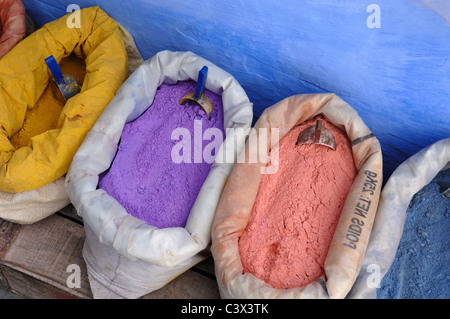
(397, 76)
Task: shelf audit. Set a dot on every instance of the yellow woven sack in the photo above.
(24, 76)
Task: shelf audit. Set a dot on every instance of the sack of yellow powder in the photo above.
(408, 179)
(12, 24)
(261, 160)
(40, 131)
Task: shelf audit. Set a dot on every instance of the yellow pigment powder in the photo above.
(44, 115)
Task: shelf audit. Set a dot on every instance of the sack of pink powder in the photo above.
(295, 218)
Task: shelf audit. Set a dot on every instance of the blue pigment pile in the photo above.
(421, 269)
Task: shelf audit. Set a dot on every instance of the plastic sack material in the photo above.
(12, 24)
(408, 179)
(126, 257)
(25, 76)
(32, 206)
(344, 258)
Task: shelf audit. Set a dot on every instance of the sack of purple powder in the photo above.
(391, 237)
(149, 175)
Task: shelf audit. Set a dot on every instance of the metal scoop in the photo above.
(317, 135)
(198, 96)
(444, 188)
(67, 84)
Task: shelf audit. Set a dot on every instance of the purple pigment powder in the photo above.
(143, 178)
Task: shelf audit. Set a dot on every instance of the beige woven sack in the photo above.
(346, 252)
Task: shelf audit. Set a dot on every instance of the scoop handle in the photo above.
(54, 68)
(318, 131)
(201, 82)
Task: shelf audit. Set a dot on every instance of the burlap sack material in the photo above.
(344, 258)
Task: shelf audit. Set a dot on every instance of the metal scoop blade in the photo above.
(317, 135)
(198, 96)
(67, 84)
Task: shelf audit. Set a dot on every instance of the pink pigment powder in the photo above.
(143, 177)
(297, 209)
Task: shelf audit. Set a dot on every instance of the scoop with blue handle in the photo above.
(67, 84)
(199, 96)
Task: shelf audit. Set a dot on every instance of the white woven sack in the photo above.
(32, 206)
(144, 258)
(409, 178)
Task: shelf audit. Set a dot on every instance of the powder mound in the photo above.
(421, 266)
(297, 209)
(45, 114)
(144, 178)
